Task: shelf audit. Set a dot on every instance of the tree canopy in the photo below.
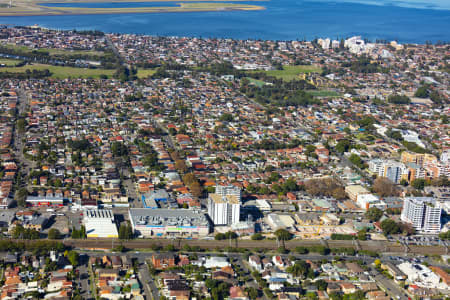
(374, 214)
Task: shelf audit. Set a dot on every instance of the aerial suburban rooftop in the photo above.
(222, 168)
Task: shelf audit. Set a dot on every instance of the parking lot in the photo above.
(421, 240)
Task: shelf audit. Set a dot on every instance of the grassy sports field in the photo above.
(51, 51)
(144, 73)
(8, 62)
(291, 72)
(324, 93)
(61, 71)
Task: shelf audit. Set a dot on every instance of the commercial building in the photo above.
(353, 191)
(100, 223)
(161, 261)
(441, 194)
(168, 222)
(244, 227)
(376, 166)
(5, 201)
(37, 223)
(415, 171)
(392, 170)
(422, 276)
(369, 200)
(394, 271)
(330, 219)
(224, 206)
(228, 190)
(418, 158)
(151, 199)
(445, 156)
(6, 218)
(45, 201)
(424, 213)
(216, 262)
(148, 201)
(445, 277)
(280, 222)
(258, 204)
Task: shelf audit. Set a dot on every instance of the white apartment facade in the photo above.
(424, 213)
(224, 206)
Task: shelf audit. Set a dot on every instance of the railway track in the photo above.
(377, 246)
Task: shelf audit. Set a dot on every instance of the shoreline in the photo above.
(137, 1)
(128, 12)
(35, 8)
(114, 13)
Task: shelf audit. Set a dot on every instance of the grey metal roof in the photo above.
(168, 217)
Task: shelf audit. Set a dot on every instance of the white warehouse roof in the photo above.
(100, 223)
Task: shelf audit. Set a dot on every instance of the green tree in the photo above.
(21, 125)
(374, 214)
(283, 235)
(18, 231)
(422, 92)
(231, 235)
(73, 257)
(418, 183)
(404, 182)
(343, 146)
(321, 284)
(299, 269)
(301, 250)
(257, 237)
(79, 234)
(394, 134)
(356, 160)
(54, 234)
(219, 236)
(226, 117)
(310, 150)
(399, 99)
(444, 235)
(389, 226)
(119, 149)
(362, 235)
(125, 231)
(21, 196)
(335, 296)
(252, 293)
